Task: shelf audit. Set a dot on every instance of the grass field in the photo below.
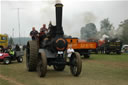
(100, 69)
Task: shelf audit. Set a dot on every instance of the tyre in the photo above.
(86, 56)
(118, 52)
(32, 55)
(96, 51)
(20, 59)
(59, 67)
(65, 55)
(76, 64)
(7, 61)
(42, 65)
(107, 52)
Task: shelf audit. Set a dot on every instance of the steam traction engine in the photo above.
(52, 50)
(112, 45)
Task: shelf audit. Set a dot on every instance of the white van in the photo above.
(124, 48)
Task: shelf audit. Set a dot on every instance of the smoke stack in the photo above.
(59, 27)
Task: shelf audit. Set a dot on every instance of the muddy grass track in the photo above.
(98, 70)
(10, 80)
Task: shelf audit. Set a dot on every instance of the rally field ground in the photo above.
(100, 69)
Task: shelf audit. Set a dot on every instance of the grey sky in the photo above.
(75, 13)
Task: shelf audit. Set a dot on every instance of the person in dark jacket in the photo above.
(17, 48)
(34, 33)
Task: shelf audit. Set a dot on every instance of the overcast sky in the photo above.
(76, 13)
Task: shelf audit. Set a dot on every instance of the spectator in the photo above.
(17, 48)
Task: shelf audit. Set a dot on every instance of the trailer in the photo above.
(81, 46)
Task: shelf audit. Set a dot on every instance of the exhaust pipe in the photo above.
(59, 28)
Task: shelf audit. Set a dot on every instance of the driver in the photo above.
(11, 52)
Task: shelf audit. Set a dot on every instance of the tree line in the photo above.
(14, 41)
(89, 31)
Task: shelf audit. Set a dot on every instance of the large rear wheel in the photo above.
(42, 65)
(76, 64)
(32, 55)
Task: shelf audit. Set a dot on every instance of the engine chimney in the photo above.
(59, 27)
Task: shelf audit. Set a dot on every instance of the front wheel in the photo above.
(42, 65)
(118, 52)
(7, 61)
(107, 52)
(76, 64)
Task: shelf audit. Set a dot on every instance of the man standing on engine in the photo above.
(34, 33)
(43, 32)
